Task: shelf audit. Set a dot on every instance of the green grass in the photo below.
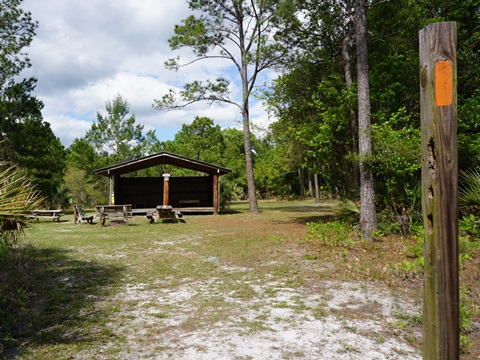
(71, 274)
(90, 289)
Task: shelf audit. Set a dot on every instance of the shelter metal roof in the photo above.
(162, 158)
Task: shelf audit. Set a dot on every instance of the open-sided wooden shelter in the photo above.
(200, 193)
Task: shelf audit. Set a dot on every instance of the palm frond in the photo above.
(348, 211)
(17, 197)
(469, 191)
(17, 193)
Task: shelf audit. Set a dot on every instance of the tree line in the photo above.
(318, 100)
(116, 138)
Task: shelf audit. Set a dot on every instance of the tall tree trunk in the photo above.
(310, 186)
(368, 221)
(347, 65)
(317, 190)
(252, 194)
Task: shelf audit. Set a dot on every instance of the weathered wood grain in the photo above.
(438, 81)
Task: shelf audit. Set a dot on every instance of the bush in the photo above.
(396, 159)
(332, 234)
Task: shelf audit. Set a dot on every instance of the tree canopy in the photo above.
(201, 140)
(16, 33)
(26, 139)
(116, 135)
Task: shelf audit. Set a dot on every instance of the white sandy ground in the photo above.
(158, 321)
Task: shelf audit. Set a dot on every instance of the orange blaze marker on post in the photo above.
(444, 83)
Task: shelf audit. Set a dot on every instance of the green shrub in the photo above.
(331, 234)
(470, 225)
(414, 253)
(469, 239)
(395, 143)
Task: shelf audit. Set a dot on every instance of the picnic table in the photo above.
(121, 212)
(167, 212)
(45, 214)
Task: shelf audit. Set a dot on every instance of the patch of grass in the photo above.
(244, 292)
(407, 321)
(379, 339)
(275, 239)
(253, 326)
(348, 348)
(319, 312)
(161, 315)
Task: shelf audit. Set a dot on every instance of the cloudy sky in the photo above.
(87, 51)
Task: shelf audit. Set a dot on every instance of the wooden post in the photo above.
(111, 189)
(75, 215)
(215, 194)
(438, 82)
(101, 219)
(166, 189)
(125, 214)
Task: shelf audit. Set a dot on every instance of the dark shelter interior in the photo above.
(147, 192)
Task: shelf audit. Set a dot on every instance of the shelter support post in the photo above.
(111, 189)
(166, 188)
(216, 195)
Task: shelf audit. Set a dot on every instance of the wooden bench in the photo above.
(152, 216)
(45, 214)
(189, 202)
(116, 213)
(79, 215)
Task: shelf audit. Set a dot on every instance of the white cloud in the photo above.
(86, 52)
